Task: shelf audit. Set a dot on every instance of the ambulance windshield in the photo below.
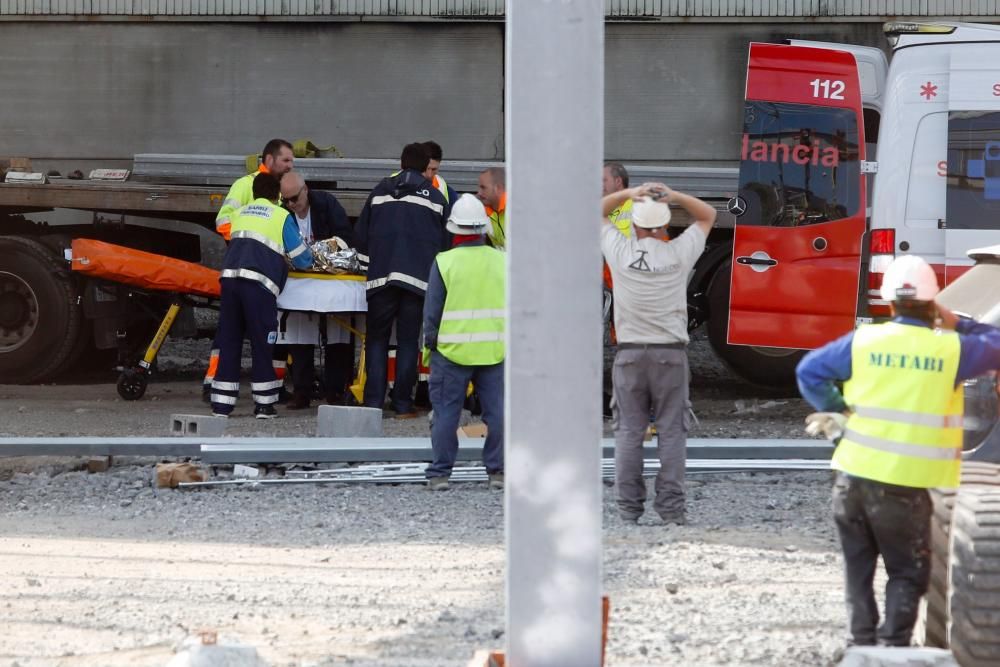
(800, 164)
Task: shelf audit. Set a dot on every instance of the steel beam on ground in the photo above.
(98, 446)
(358, 450)
(554, 98)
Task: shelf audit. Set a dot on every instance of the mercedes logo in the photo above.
(737, 206)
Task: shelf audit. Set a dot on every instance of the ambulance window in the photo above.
(799, 164)
(973, 176)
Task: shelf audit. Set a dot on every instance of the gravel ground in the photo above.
(102, 569)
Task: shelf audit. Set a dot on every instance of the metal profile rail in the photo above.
(365, 173)
(414, 473)
(354, 450)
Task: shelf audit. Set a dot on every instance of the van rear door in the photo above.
(800, 211)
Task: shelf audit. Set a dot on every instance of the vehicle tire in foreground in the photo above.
(975, 577)
(40, 318)
(932, 625)
(765, 366)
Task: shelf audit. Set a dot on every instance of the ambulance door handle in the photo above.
(758, 261)
(819, 244)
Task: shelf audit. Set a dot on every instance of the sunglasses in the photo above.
(294, 198)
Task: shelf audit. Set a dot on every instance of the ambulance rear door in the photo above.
(800, 210)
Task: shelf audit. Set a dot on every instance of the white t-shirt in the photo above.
(305, 227)
(650, 283)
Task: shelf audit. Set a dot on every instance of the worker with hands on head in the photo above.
(319, 216)
(464, 315)
(899, 424)
(492, 191)
(254, 270)
(650, 371)
(276, 159)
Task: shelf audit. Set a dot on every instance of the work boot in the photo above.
(265, 411)
(676, 518)
(437, 484)
(496, 481)
(298, 401)
(630, 519)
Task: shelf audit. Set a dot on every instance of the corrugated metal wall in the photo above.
(494, 9)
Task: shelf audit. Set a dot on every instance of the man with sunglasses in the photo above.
(319, 216)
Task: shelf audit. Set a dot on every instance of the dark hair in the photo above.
(925, 311)
(434, 150)
(618, 170)
(498, 174)
(273, 147)
(415, 157)
(266, 186)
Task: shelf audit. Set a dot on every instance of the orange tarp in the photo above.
(143, 269)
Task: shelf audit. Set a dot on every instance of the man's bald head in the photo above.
(294, 193)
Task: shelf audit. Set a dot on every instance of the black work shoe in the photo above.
(676, 518)
(265, 411)
(630, 519)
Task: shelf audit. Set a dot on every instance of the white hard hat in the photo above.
(650, 214)
(909, 277)
(468, 216)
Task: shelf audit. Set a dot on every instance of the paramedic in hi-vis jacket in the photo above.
(898, 425)
(253, 272)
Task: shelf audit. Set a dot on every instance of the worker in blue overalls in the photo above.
(253, 272)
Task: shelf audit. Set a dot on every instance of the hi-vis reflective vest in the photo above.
(240, 194)
(621, 218)
(472, 323)
(907, 423)
(442, 186)
(497, 232)
(257, 249)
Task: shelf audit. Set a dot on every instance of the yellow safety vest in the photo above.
(472, 323)
(621, 218)
(257, 251)
(907, 423)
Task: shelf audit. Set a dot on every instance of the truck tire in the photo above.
(975, 577)
(932, 624)
(39, 315)
(765, 366)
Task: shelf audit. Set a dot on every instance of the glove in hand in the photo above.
(830, 425)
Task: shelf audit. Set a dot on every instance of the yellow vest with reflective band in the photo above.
(442, 185)
(621, 218)
(240, 194)
(907, 423)
(472, 323)
(498, 228)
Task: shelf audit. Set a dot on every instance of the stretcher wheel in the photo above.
(132, 385)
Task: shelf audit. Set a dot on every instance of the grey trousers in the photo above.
(650, 380)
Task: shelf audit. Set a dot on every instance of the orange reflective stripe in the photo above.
(213, 365)
(225, 230)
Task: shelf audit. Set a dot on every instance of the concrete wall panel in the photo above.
(110, 90)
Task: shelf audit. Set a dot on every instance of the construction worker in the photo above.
(253, 272)
(318, 216)
(276, 159)
(898, 425)
(464, 331)
(492, 192)
(400, 230)
(614, 178)
(650, 372)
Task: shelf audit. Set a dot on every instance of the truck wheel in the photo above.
(766, 366)
(932, 624)
(975, 572)
(39, 315)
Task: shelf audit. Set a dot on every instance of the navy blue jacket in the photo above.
(400, 231)
(328, 217)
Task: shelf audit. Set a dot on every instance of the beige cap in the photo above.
(650, 214)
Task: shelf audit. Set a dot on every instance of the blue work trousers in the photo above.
(406, 309)
(247, 309)
(447, 387)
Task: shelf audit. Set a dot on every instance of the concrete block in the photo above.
(194, 653)
(886, 656)
(190, 426)
(340, 421)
